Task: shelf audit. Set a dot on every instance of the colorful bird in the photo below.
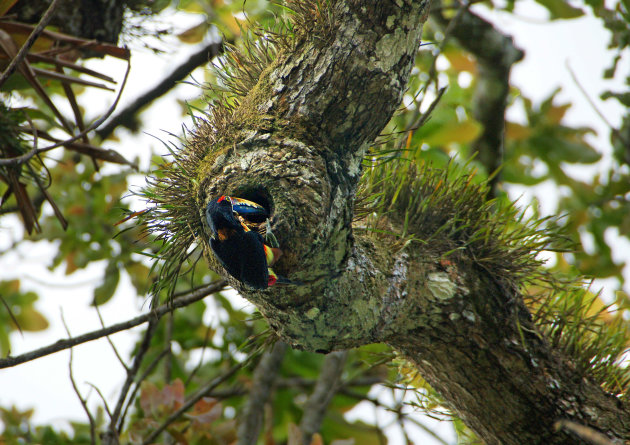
(241, 250)
(245, 208)
(255, 217)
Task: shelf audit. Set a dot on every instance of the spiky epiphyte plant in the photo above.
(447, 211)
(174, 213)
(20, 166)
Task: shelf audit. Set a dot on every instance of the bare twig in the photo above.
(325, 388)
(60, 345)
(111, 436)
(103, 399)
(168, 368)
(100, 120)
(27, 156)
(30, 41)
(22, 158)
(462, 8)
(109, 340)
(77, 392)
(423, 117)
(203, 350)
(346, 391)
(263, 381)
(616, 132)
(132, 372)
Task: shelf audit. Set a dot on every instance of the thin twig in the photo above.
(447, 33)
(100, 120)
(60, 345)
(201, 356)
(30, 41)
(423, 117)
(132, 372)
(109, 340)
(168, 368)
(325, 389)
(115, 426)
(76, 389)
(378, 404)
(27, 156)
(100, 394)
(265, 375)
(616, 132)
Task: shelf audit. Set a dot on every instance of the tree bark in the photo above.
(296, 142)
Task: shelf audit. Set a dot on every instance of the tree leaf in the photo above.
(31, 320)
(194, 34)
(104, 292)
(560, 9)
(455, 132)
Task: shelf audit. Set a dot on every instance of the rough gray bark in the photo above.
(298, 140)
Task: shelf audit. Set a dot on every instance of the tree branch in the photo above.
(116, 421)
(262, 384)
(60, 345)
(78, 393)
(325, 389)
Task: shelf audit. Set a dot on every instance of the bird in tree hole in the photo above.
(240, 228)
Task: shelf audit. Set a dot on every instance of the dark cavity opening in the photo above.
(259, 196)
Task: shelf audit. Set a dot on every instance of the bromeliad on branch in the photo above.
(238, 226)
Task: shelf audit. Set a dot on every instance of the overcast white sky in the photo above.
(44, 384)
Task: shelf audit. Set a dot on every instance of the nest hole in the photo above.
(259, 196)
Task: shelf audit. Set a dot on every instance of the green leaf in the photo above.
(31, 320)
(455, 132)
(336, 427)
(194, 34)
(623, 98)
(557, 149)
(560, 9)
(140, 276)
(104, 292)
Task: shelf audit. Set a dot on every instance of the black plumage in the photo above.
(241, 251)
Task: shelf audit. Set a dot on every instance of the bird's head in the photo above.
(220, 215)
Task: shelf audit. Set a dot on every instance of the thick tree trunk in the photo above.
(298, 140)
